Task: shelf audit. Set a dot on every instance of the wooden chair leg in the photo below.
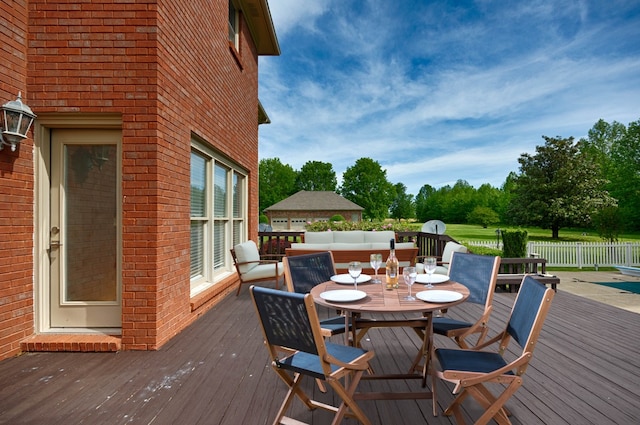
(321, 386)
(493, 406)
(455, 404)
(294, 389)
(348, 405)
(490, 396)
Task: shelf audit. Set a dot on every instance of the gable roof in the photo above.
(307, 200)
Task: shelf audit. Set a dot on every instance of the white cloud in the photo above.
(436, 94)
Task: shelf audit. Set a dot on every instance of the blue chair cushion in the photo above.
(334, 324)
(469, 361)
(309, 364)
(442, 325)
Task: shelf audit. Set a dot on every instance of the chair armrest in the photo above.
(267, 261)
(358, 364)
(257, 261)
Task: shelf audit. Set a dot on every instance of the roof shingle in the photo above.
(306, 200)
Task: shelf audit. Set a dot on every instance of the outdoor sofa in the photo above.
(355, 245)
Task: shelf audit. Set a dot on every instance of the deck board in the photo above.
(586, 370)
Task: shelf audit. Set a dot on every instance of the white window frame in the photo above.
(233, 222)
(234, 25)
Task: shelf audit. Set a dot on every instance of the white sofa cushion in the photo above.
(349, 246)
(350, 236)
(245, 252)
(318, 237)
(312, 246)
(399, 245)
(383, 236)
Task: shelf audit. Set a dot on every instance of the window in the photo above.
(218, 215)
(233, 26)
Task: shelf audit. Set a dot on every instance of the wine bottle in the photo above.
(392, 266)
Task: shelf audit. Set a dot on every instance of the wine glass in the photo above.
(376, 261)
(409, 274)
(355, 268)
(430, 267)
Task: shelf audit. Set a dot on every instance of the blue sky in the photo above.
(438, 91)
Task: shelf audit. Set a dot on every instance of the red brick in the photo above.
(111, 57)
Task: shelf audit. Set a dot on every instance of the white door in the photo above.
(84, 248)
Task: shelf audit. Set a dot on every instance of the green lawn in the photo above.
(462, 232)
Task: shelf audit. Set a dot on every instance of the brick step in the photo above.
(72, 343)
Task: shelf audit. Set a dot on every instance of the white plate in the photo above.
(343, 295)
(346, 279)
(439, 296)
(435, 278)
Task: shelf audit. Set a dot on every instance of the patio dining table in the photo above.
(369, 312)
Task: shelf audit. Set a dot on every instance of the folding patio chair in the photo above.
(297, 348)
(303, 272)
(251, 268)
(471, 370)
(479, 274)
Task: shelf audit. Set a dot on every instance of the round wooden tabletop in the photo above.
(378, 299)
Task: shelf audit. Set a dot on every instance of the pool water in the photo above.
(623, 286)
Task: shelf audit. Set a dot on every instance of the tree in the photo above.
(608, 223)
(483, 216)
(616, 149)
(492, 198)
(423, 212)
(436, 204)
(276, 181)
(458, 203)
(317, 176)
(402, 206)
(625, 176)
(366, 184)
(508, 190)
(558, 187)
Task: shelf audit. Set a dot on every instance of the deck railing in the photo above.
(579, 254)
(272, 245)
(558, 254)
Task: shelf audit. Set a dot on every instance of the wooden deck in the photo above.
(586, 370)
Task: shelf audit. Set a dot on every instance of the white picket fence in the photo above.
(579, 254)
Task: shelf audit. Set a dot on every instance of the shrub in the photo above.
(514, 243)
(274, 248)
(320, 226)
(263, 219)
(484, 250)
(337, 217)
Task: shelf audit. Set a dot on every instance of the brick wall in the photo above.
(167, 68)
(16, 191)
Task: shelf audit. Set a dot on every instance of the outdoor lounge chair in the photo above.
(251, 268)
(303, 272)
(297, 348)
(445, 261)
(471, 370)
(479, 274)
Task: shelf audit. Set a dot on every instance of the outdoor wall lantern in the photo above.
(16, 121)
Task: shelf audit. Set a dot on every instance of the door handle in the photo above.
(54, 244)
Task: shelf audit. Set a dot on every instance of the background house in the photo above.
(112, 228)
(305, 206)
